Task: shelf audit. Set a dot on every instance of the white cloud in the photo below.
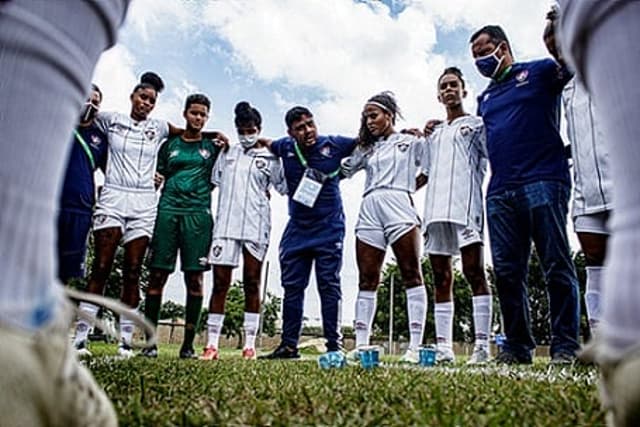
(116, 78)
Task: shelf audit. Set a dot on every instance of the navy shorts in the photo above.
(73, 230)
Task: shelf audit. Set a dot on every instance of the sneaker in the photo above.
(445, 357)
(619, 385)
(82, 351)
(188, 353)
(282, 352)
(353, 355)
(562, 358)
(43, 382)
(210, 353)
(508, 358)
(410, 356)
(150, 352)
(480, 356)
(125, 351)
(249, 354)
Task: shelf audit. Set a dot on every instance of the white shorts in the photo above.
(133, 212)
(385, 216)
(446, 238)
(228, 251)
(596, 223)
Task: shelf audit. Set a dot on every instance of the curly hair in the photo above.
(386, 101)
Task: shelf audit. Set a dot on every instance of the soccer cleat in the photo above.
(150, 352)
(210, 353)
(282, 352)
(249, 354)
(44, 384)
(354, 356)
(82, 351)
(562, 358)
(445, 357)
(619, 385)
(410, 356)
(125, 351)
(187, 353)
(480, 356)
(332, 360)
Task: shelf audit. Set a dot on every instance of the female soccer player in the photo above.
(454, 165)
(184, 219)
(127, 205)
(244, 176)
(387, 216)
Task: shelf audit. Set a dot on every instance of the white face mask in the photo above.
(248, 141)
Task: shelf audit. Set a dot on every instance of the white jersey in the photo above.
(455, 162)
(592, 178)
(391, 163)
(243, 178)
(133, 150)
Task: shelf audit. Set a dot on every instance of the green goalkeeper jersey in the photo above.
(186, 167)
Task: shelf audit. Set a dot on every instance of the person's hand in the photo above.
(221, 141)
(430, 126)
(158, 179)
(413, 131)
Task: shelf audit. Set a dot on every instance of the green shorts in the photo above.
(188, 233)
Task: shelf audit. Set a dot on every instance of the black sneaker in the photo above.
(508, 358)
(188, 353)
(282, 352)
(562, 358)
(150, 352)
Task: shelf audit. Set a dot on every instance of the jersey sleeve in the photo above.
(163, 156)
(346, 145)
(103, 120)
(425, 161)
(218, 169)
(350, 165)
(163, 130)
(558, 75)
(278, 145)
(417, 150)
(277, 177)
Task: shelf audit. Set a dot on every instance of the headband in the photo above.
(384, 107)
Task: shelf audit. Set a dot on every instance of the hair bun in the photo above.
(152, 79)
(242, 107)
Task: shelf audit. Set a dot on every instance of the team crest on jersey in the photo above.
(403, 146)
(260, 163)
(326, 151)
(216, 251)
(96, 140)
(150, 134)
(204, 153)
(522, 75)
(465, 130)
(174, 153)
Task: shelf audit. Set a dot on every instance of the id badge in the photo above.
(308, 189)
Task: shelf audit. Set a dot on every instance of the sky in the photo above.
(328, 55)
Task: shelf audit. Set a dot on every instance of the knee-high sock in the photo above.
(365, 313)
(482, 319)
(83, 326)
(48, 51)
(417, 313)
(251, 324)
(592, 296)
(444, 324)
(192, 319)
(214, 328)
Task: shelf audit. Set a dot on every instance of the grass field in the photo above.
(173, 392)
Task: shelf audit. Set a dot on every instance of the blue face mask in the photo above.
(488, 65)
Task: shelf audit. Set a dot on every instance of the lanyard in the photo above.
(304, 163)
(86, 148)
(503, 74)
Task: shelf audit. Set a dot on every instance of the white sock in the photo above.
(214, 327)
(82, 326)
(444, 325)
(251, 324)
(592, 296)
(482, 319)
(417, 314)
(126, 330)
(365, 312)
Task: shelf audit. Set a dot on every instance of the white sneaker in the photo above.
(125, 351)
(480, 356)
(445, 356)
(42, 382)
(353, 356)
(410, 356)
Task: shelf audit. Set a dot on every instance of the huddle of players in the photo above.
(451, 162)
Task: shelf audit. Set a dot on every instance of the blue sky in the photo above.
(330, 55)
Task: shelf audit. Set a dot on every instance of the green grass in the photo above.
(169, 392)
